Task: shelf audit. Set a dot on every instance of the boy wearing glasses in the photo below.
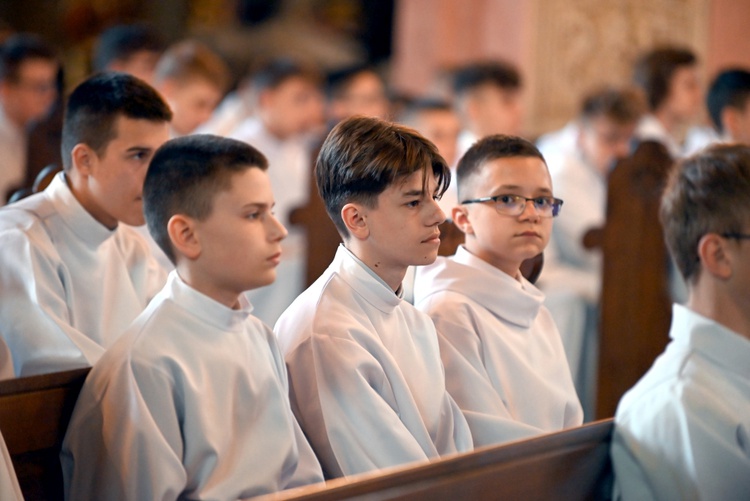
(503, 357)
(683, 431)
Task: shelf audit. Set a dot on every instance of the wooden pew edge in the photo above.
(43, 381)
(342, 488)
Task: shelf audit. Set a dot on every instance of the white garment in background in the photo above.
(683, 431)
(649, 128)
(289, 167)
(13, 145)
(365, 374)
(69, 286)
(9, 488)
(504, 361)
(190, 403)
(560, 142)
(154, 248)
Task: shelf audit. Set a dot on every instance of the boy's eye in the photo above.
(507, 199)
(413, 203)
(253, 215)
(542, 202)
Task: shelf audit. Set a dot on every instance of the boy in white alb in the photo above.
(192, 401)
(366, 381)
(682, 431)
(504, 360)
(71, 277)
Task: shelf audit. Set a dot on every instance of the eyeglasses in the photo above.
(736, 236)
(514, 205)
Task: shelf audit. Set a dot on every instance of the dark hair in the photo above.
(705, 193)
(491, 148)
(273, 73)
(363, 156)
(186, 174)
(731, 88)
(338, 82)
(498, 73)
(415, 107)
(622, 106)
(94, 105)
(654, 71)
(191, 59)
(20, 48)
(120, 42)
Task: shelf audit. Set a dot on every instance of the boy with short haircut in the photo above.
(728, 103)
(128, 48)
(289, 108)
(192, 402)
(192, 79)
(72, 278)
(366, 380)
(504, 360)
(356, 90)
(669, 79)
(681, 431)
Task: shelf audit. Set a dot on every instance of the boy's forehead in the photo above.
(513, 171)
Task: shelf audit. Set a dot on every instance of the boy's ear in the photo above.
(181, 230)
(355, 221)
(714, 256)
(83, 158)
(460, 215)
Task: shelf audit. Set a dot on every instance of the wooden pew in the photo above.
(34, 414)
(569, 465)
(635, 307)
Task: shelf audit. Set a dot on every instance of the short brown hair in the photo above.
(190, 59)
(363, 156)
(622, 106)
(654, 71)
(705, 193)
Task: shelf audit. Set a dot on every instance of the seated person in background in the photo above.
(192, 401)
(9, 488)
(572, 273)
(289, 108)
(682, 431)
(72, 278)
(28, 89)
(366, 380)
(436, 121)
(503, 357)
(128, 48)
(192, 79)
(669, 79)
(728, 103)
(356, 90)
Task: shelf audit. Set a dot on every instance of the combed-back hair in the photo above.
(20, 48)
(498, 73)
(655, 69)
(185, 176)
(730, 88)
(190, 59)
(337, 82)
(705, 193)
(271, 74)
(120, 42)
(622, 106)
(414, 108)
(363, 156)
(491, 148)
(95, 104)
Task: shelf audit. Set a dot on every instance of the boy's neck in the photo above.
(392, 276)
(198, 281)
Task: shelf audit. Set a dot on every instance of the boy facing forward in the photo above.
(192, 401)
(365, 374)
(504, 360)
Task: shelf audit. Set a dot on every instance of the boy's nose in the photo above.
(278, 231)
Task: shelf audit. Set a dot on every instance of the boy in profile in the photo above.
(504, 360)
(72, 278)
(192, 403)
(366, 380)
(682, 431)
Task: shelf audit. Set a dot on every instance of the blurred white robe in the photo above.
(504, 361)
(69, 286)
(683, 431)
(9, 488)
(192, 402)
(366, 379)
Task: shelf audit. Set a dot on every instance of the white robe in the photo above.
(13, 146)
(190, 403)
(651, 129)
(289, 169)
(504, 361)
(9, 488)
(366, 379)
(683, 431)
(68, 285)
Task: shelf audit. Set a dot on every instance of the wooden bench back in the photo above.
(571, 464)
(34, 414)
